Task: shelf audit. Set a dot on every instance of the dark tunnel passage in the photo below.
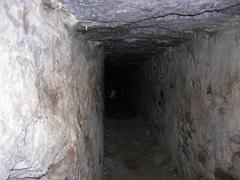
(174, 115)
(171, 87)
(131, 151)
(122, 90)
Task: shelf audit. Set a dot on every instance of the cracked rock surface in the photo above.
(50, 102)
(136, 29)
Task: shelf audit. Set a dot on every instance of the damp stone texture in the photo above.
(50, 95)
(191, 100)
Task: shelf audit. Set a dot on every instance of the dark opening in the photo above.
(131, 151)
(122, 90)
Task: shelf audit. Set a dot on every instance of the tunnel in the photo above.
(131, 149)
(119, 90)
(122, 89)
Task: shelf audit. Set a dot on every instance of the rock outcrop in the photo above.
(191, 101)
(50, 95)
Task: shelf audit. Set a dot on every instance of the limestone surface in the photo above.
(50, 96)
(137, 29)
(191, 101)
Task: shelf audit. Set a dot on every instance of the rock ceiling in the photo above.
(135, 29)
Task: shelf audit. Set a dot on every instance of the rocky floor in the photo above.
(132, 153)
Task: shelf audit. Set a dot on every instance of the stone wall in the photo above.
(192, 101)
(50, 95)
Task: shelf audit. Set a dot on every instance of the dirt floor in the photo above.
(132, 153)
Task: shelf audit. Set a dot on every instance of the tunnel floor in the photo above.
(132, 153)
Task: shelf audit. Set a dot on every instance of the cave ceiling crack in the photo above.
(129, 24)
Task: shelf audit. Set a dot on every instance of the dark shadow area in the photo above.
(131, 152)
(122, 90)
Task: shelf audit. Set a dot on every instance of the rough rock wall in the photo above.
(50, 96)
(192, 101)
